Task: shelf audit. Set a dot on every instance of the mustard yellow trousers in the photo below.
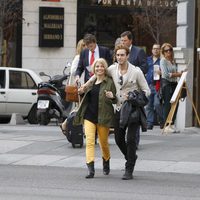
(103, 132)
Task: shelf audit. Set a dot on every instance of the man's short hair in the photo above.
(89, 38)
(121, 46)
(128, 34)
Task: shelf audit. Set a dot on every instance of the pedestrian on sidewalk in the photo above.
(127, 78)
(88, 55)
(96, 112)
(80, 47)
(168, 81)
(137, 57)
(153, 75)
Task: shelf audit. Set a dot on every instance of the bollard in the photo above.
(16, 118)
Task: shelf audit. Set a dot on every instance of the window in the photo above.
(21, 80)
(2, 78)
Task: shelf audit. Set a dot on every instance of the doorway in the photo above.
(196, 89)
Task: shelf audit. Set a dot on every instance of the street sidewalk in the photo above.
(46, 146)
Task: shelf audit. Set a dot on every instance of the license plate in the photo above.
(42, 104)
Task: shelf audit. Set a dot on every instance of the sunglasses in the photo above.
(168, 50)
(121, 80)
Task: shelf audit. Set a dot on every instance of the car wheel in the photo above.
(32, 116)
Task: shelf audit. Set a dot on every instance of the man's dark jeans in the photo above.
(126, 140)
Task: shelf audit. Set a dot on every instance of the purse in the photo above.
(71, 92)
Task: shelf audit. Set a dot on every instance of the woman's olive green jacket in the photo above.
(105, 108)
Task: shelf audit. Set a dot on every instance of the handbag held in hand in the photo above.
(72, 93)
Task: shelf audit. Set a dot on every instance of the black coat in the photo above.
(138, 58)
(132, 110)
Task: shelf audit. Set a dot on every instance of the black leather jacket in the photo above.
(132, 110)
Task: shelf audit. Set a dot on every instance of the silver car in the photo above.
(18, 93)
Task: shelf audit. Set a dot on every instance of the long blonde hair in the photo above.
(163, 47)
(80, 46)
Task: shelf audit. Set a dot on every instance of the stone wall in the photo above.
(50, 60)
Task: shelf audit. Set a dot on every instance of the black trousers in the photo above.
(125, 139)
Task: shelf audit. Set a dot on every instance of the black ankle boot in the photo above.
(106, 166)
(128, 175)
(128, 171)
(91, 170)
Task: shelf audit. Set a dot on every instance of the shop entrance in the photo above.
(108, 19)
(106, 27)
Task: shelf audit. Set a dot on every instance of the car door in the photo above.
(2, 92)
(22, 92)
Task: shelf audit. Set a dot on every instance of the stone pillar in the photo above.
(184, 56)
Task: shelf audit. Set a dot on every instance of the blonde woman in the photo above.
(96, 113)
(169, 80)
(80, 46)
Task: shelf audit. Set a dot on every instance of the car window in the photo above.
(2, 78)
(21, 80)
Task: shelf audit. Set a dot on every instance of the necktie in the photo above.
(92, 58)
(91, 62)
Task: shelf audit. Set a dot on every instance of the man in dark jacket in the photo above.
(137, 57)
(88, 55)
(153, 80)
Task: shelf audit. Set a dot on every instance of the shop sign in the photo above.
(51, 27)
(139, 3)
(52, 0)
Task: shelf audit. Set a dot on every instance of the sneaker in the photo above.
(169, 129)
(175, 129)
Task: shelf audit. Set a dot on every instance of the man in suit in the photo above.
(88, 55)
(137, 57)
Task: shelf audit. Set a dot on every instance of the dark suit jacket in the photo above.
(104, 52)
(138, 58)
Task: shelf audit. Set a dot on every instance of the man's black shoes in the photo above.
(149, 127)
(127, 176)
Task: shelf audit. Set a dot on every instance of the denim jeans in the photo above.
(167, 93)
(154, 105)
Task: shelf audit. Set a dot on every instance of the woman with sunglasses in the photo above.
(96, 112)
(169, 81)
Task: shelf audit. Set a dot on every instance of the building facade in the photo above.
(35, 54)
(107, 19)
(187, 56)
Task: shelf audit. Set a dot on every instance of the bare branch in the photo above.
(158, 21)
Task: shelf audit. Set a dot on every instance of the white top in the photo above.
(96, 53)
(73, 69)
